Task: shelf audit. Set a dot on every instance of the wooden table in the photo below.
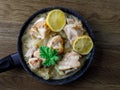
(103, 17)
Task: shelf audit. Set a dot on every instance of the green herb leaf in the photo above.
(50, 56)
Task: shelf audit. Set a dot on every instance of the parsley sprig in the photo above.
(50, 56)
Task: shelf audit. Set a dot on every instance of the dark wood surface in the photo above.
(103, 17)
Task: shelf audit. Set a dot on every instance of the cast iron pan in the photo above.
(16, 59)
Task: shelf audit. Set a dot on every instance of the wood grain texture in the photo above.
(103, 17)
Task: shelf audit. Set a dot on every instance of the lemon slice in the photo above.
(56, 20)
(83, 44)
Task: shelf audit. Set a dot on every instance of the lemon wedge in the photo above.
(83, 44)
(56, 20)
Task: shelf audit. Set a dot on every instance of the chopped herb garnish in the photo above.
(50, 56)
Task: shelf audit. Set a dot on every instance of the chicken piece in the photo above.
(34, 63)
(73, 30)
(30, 52)
(70, 21)
(39, 29)
(69, 61)
(36, 54)
(56, 43)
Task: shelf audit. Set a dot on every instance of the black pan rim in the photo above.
(70, 78)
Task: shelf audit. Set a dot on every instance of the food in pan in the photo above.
(56, 45)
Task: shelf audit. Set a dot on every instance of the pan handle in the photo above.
(10, 62)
